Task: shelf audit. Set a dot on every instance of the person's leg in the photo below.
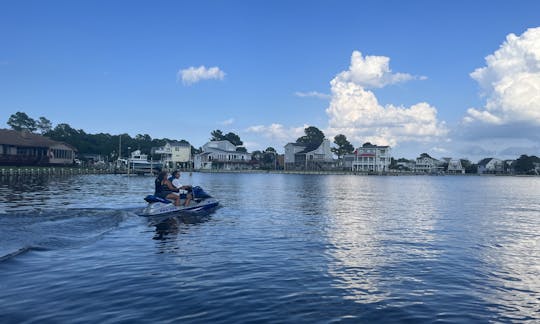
(175, 198)
(188, 199)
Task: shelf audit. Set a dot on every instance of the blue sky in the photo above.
(391, 72)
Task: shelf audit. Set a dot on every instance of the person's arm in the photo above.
(170, 186)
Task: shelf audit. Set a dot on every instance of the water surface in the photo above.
(282, 248)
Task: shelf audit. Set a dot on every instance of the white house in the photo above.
(455, 167)
(427, 164)
(221, 155)
(372, 158)
(301, 157)
(490, 165)
(175, 155)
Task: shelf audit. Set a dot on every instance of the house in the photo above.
(24, 148)
(303, 157)
(490, 166)
(455, 167)
(347, 161)
(404, 164)
(221, 155)
(427, 164)
(175, 155)
(372, 158)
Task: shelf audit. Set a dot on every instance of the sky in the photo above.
(454, 79)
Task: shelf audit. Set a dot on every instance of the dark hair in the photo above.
(162, 175)
(175, 172)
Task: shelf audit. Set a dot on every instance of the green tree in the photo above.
(256, 155)
(468, 166)
(43, 125)
(526, 164)
(343, 146)
(233, 138)
(21, 121)
(217, 135)
(63, 132)
(313, 138)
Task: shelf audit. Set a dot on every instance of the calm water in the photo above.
(283, 248)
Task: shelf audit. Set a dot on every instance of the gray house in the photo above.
(302, 157)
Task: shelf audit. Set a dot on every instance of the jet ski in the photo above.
(158, 206)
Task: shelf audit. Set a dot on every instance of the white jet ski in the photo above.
(158, 206)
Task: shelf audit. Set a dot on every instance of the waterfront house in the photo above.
(372, 158)
(221, 155)
(455, 167)
(490, 166)
(175, 155)
(404, 164)
(20, 148)
(347, 161)
(427, 164)
(303, 157)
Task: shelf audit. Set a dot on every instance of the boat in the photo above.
(138, 164)
(158, 206)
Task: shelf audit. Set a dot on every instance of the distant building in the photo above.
(221, 155)
(20, 148)
(455, 167)
(372, 158)
(427, 164)
(302, 157)
(175, 155)
(404, 164)
(347, 161)
(490, 166)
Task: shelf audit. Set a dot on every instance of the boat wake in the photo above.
(23, 232)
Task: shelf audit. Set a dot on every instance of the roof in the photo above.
(485, 161)
(180, 144)
(310, 148)
(27, 139)
(295, 144)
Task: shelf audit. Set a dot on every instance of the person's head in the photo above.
(176, 174)
(162, 175)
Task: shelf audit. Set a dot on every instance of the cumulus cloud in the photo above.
(313, 94)
(278, 132)
(372, 72)
(510, 82)
(193, 75)
(355, 111)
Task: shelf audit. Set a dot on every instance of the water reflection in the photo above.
(168, 227)
(373, 230)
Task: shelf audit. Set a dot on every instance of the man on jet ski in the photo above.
(183, 191)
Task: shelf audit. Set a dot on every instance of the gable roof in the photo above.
(485, 161)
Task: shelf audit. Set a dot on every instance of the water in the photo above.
(283, 248)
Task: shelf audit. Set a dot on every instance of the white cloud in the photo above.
(372, 72)
(193, 75)
(227, 122)
(510, 82)
(355, 111)
(277, 134)
(313, 94)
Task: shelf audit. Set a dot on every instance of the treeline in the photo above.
(103, 144)
(526, 164)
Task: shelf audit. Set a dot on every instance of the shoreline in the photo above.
(23, 170)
